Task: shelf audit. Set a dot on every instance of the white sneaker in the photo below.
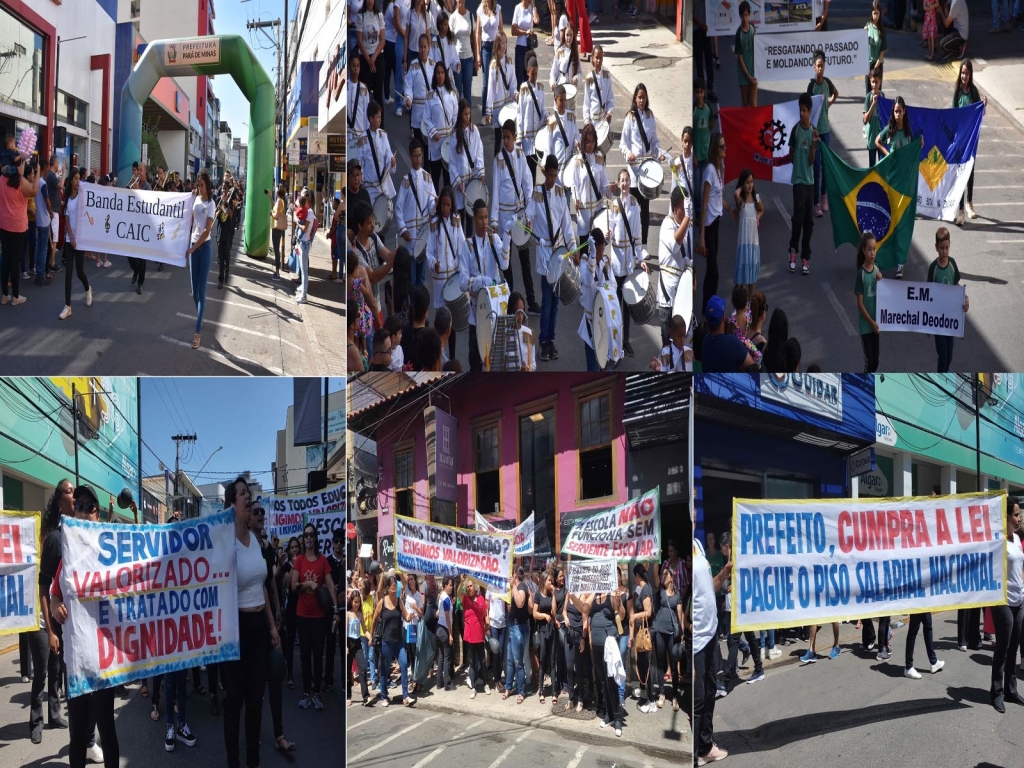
(912, 673)
(88, 297)
(398, 112)
(970, 211)
(618, 732)
(472, 693)
(66, 313)
(94, 754)
(937, 666)
(959, 221)
(487, 689)
(774, 653)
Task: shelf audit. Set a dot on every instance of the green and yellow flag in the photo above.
(881, 200)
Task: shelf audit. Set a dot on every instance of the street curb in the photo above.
(1015, 120)
(550, 723)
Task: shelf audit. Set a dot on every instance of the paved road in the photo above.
(646, 340)
(821, 307)
(317, 734)
(861, 712)
(400, 736)
(252, 326)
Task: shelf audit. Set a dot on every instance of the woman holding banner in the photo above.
(244, 680)
(311, 574)
(1007, 618)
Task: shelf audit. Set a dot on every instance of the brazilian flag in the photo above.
(881, 200)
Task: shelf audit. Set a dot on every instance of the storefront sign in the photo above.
(522, 533)
(817, 393)
(193, 52)
(723, 16)
(387, 552)
(931, 308)
(631, 531)
(286, 514)
(791, 57)
(862, 461)
(592, 576)
(335, 144)
(437, 550)
(442, 441)
(19, 572)
(144, 600)
(814, 561)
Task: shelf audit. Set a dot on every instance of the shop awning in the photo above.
(657, 409)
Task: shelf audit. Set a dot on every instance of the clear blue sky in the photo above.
(241, 414)
(232, 17)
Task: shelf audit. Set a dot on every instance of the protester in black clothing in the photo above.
(336, 562)
(417, 322)
(227, 207)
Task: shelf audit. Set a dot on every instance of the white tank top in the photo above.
(251, 573)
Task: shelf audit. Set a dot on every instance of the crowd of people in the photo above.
(448, 226)
(279, 585)
(424, 633)
(810, 197)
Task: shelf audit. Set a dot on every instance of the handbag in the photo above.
(324, 598)
(293, 259)
(643, 638)
(531, 41)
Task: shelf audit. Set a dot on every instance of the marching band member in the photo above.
(595, 269)
(417, 86)
(673, 258)
(682, 167)
(564, 133)
(443, 48)
(358, 98)
(548, 217)
(640, 142)
(415, 206)
(532, 115)
(624, 223)
(484, 259)
(565, 67)
(676, 355)
(467, 160)
(500, 81)
(587, 177)
(598, 94)
(443, 248)
(439, 121)
(378, 159)
(510, 195)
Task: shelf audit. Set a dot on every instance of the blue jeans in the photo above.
(370, 661)
(623, 651)
(419, 273)
(1000, 12)
(42, 250)
(517, 638)
(464, 80)
(391, 652)
(199, 265)
(175, 682)
(485, 59)
(548, 311)
(819, 171)
(771, 638)
(303, 268)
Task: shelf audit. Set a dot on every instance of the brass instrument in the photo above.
(223, 210)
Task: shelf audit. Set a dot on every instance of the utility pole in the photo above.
(178, 440)
(262, 25)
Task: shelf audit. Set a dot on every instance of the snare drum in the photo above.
(490, 302)
(446, 152)
(457, 301)
(542, 145)
(607, 325)
(683, 303)
(508, 112)
(420, 245)
(383, 209)
(604, 136)
(564, 276)
(603, 222)
(476, 190)
(650, 179)
(570, 96)
(638, 293)
(521, 236)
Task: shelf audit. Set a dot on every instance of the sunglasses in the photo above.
(85, 506)
(259, 512)
(309, 536)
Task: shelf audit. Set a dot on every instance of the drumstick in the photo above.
(520, 224)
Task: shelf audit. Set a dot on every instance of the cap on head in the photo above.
(353, 164)
(715, 310)
(86, 492)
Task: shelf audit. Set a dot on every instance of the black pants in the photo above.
(803, 219)
(577, 664)
(274, 679)
(227, 236)
(439, 175)
(711, 271)
(374, 80)
(944, 349)
(1007, 620)
(870, 343)
(86, 712)
(968, 629)
(138, 269)
(312, 635)
(498, 659)
(663, 655)
(546, 656)
(702, 58)
(524, 262)
(704, 698)
(71, 258)
(917, 621)
(288, 639)
(46, 672)
(951, 43)
(244, 681)
(969, 197)
(388, 54)
(331, 644)
(867, 634)
(444, 659)
(476, 363)
(12, 244)
(607, 688)
(623, 307)
(883, 633)
(645, 213)
(278, 238)
(355, 651)
(475, 661)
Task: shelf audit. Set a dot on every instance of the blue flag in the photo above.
(947, 156)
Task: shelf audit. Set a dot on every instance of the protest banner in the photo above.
(19, 572)
(820, 560)
(286, 514)
(912, 307)
(134, 222)
(522, 533)
(631, 531)
(437, 550)
(325, 524)
(144, 600)
(723, 16)
(597, 576)
(791, 56)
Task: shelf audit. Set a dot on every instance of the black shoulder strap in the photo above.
(643, 131)
(533, 95)
(476, 251)
(511, 170)
(501, 71)
(355, 110)
(465, 145)
(448, 237)
(565, 136)
(629, 230)
(376, 162)
(415, 196)
(597, 85)
(590, 173)
(440, 49)
(547, 212)
(497, 261)
(426, 80)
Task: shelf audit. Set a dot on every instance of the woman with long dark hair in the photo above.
(964, 94)
(291, 554)
(666, 630)
(711, 214)
(778, 334)
(1007, 618)
(643, 610)
(438, 123)
(371, 37)
(200, 250)
(74, 258)
(355, 634)
(603, 609)
(640, 142)
(542, 608)
(312, 571)
(14, 197)
(390, 612)
(279, 220)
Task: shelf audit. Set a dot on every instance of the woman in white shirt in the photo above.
(420, 22)
(524, 17)
(461, 23)
(711, 214)
(1007, 618)
(76, 258)
(500, 81)
(200, 251)
(445, 51)
(639, 143)
(370, 35)
(396, 14)
(488, 28)
(413, 599)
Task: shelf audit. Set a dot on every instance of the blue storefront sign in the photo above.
(303, 94)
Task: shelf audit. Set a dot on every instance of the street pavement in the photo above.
(821, 307)
(318, 735)
(856, 711)
(636, 50)
(250, 327)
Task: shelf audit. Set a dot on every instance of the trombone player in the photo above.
(226, 208)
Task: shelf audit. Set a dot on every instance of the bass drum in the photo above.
(446, 152)
(607, 325)
(490, 301)
(419, 251)
(564, 276)
(508, 112)
(542, 145)
(383, 210)
(683, 303)
(476, 190)
(570, 97)
(638, 293)
(604, 136)
(457, 301)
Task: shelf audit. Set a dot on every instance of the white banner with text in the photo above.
(791, 56)
(437, 550)
(912, 307)
(596, 576)
(522, 533)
